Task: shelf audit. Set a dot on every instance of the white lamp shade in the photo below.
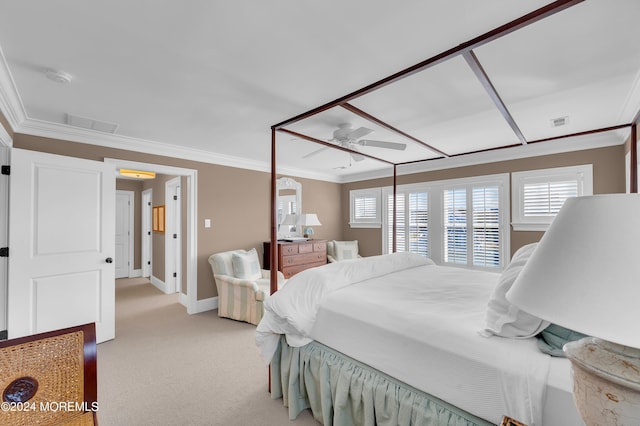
(585, 272)
(308, 219)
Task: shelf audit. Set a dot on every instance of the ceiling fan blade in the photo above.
(383, 144)
(317, 151)
(358, 133)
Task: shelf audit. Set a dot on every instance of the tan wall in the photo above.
(236, 200)
(608, 177)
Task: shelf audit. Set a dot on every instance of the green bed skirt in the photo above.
(341, 391)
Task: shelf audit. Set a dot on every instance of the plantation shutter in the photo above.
(400, 223)
(546, 198)
(486, 222)
(455, 225)
(365, 208)
(418, 223)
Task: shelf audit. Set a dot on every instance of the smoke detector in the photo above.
(58, 76)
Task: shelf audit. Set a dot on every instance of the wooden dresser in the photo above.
(297, 256)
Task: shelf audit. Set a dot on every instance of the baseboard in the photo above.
(136, 273)
(158, 283)
(183, 299)
(204, 305)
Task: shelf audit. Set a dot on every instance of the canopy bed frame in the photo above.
(465, 51)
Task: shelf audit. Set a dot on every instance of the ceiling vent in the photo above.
(559, 122)
(88, 123)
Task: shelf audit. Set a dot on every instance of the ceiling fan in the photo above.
(347, 137)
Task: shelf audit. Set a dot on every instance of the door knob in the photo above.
(109, 260)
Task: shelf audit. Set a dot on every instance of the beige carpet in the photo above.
(166, 367)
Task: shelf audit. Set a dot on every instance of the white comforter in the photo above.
(293, 309)
(424, 315)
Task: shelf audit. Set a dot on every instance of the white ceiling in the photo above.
(207, 79)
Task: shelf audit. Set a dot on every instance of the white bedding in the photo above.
(420, 326)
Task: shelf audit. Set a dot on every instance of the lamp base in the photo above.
(606, 381)
(308, 232)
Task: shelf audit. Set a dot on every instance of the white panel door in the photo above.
(123, 233)
(61, 239)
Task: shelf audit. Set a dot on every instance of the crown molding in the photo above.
(10, 101)
(558, 146)
(5, 138)
(75, 134)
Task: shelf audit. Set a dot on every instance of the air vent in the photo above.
(560, 121)
(88, 123)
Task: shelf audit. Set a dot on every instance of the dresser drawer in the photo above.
(288, 249)
(321, 246)
(289, 271)
(305, 248)
(301, 259)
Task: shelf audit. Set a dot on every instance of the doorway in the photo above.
(124, 235)
(188, 296)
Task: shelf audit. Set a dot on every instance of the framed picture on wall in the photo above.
(158, 219)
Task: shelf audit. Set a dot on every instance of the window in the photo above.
(461, 222)
(412, 220)
(538, 195)
(365, 208)
(472, 217)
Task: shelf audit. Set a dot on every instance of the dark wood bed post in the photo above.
(633, 153)
(274, 226)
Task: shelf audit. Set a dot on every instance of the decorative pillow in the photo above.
(502, 317)
(346, 250)
(552, 339)
(246, 265)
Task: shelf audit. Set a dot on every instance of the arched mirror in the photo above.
(289, 204)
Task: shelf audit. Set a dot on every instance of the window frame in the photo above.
(502, 182)
(583, 174)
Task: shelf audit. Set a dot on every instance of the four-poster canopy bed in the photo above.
(328, 282)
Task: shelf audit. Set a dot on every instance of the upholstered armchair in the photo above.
(242, 285)
(342, 250)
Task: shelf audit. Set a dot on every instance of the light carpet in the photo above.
(166, 367)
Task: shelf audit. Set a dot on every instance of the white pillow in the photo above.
(246, 265)
(502, 317)
(346, 250)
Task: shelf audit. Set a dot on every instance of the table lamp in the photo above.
(307, 220)
(585, 275)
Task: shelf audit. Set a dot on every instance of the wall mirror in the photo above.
(288, 202)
